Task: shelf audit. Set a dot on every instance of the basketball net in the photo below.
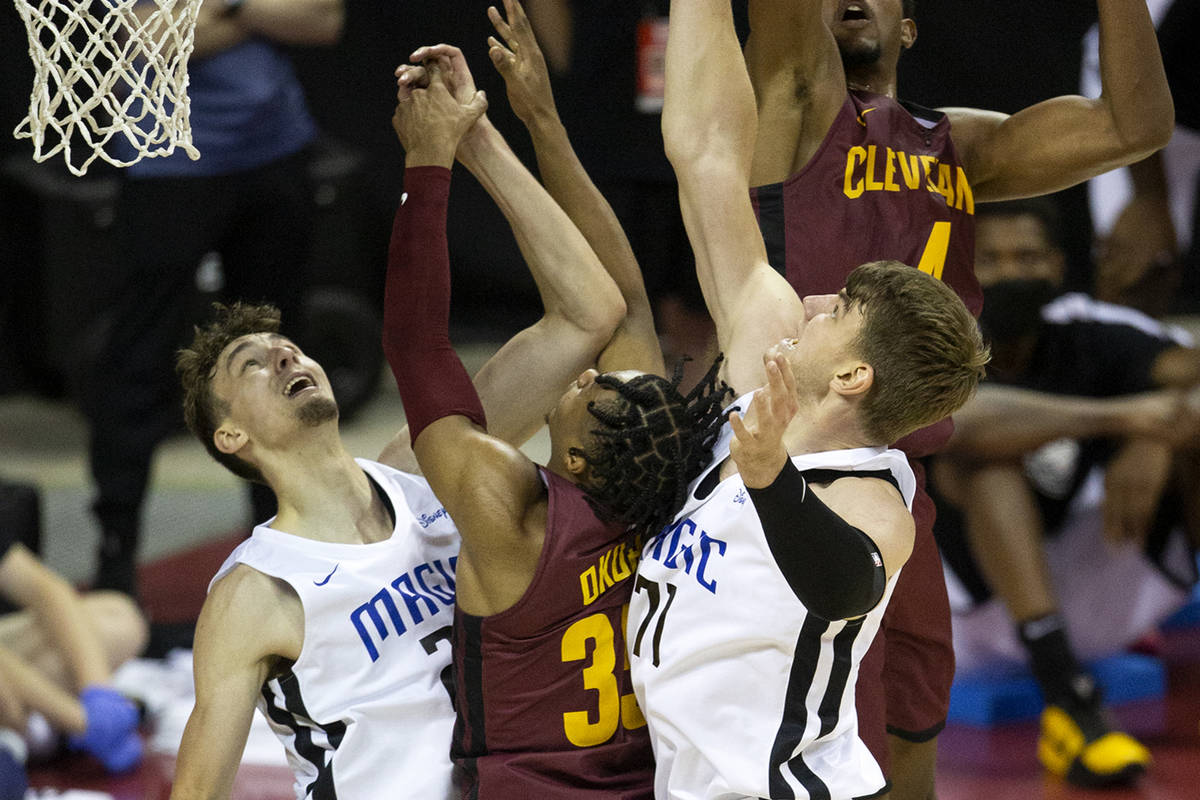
(116, 73)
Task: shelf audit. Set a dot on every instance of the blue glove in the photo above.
(111, 734)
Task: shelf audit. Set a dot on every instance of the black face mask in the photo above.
(1012, 309)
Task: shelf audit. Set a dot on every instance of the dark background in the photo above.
(56, 260)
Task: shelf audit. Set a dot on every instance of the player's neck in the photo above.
(829, 425)
(324, 495)
(872, 78)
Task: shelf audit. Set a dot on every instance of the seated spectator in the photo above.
(1067, 458)
(59, 649)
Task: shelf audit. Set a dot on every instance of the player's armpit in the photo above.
(398, 453)
(798, 80)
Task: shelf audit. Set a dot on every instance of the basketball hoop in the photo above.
(121, 73)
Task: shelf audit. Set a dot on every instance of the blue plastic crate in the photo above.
(988, 698)
(1188, 616)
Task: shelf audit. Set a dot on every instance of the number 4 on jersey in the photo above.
(933, 258)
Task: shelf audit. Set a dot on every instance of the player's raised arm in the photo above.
(486, 485)
(582, 306)
(708, 131)
(798, 80)
(1066, 140)
(517, 56)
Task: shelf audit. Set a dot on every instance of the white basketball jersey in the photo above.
(365, 710)
(746, 693)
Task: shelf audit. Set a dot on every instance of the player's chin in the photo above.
(780, 349)
(859, 52)
(317, 411)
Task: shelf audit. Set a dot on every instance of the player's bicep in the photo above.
(211, 748)
(1039, 149)
(751, 304)
(791, 50)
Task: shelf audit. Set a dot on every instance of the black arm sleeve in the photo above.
(833, 567)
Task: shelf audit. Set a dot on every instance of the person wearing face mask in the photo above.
(1068, 443)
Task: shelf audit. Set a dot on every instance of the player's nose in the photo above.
(815, 304)
(281, 357)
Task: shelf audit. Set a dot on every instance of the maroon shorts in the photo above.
(904, 679)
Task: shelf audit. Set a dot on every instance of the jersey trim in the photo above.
(470, 735)
(294, 716)
(831, 475)
(839, 674)
(769, 207)
(917, 737)
(795, 717)
(887, 787)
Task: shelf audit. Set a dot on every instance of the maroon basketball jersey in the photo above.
(886, 183)
(545, 704)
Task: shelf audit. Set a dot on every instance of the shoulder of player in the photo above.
(876, 508)
(495, 466)
(493, 491)
(252, 616)
(970, 129)
(870, 504)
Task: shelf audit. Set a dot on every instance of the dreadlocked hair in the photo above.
(652, 443)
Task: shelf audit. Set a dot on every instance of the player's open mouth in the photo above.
(298, 384)
(853, 12)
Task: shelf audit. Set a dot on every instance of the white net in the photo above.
(118, 72)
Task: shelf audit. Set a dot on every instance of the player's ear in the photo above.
(855, 378)
(908, 33)
(577, 465)
(229, 439)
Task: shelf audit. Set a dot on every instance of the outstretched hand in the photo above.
(429, 120)
(757, 447)
(452, 64)
(520, 62)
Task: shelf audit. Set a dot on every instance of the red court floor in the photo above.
(974, 764)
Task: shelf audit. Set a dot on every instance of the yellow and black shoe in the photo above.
(1078, 745)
